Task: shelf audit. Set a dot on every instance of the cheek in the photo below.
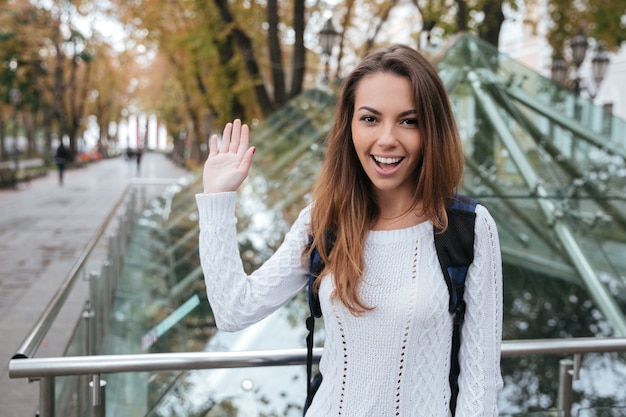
(417, 146)
(357, 139)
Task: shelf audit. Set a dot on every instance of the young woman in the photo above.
(393, 159)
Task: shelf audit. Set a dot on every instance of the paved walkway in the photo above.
(44, 227)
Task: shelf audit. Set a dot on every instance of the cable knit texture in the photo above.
(395, 359)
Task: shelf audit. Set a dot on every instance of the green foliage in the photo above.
(602, 20)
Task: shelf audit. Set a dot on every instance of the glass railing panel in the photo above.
(157, 306)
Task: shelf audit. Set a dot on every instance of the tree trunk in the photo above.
(299, 52)
(246, 48)
(57, 101)
(77, 100)
(276, 59)
(28, 121)
(226, 53)
(344, 24)
(494, 17)
(3, 150)
(461, 15)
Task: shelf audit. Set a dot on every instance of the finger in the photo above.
(235, 136)
(246, 161)
(226, 138)
(244, 139)
(213, 145)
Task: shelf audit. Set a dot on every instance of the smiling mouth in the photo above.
(386, 162)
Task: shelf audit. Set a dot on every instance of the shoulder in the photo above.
(485, 228)
(483, 216)
(304, 218)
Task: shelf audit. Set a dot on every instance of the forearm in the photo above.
(237, 299)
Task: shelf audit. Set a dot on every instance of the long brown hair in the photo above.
(344, 207)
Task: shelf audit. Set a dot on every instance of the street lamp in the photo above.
(599, 64)
(579, 46)
(328, 36)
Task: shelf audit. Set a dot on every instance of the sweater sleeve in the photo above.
(480, 380)
(237, 299)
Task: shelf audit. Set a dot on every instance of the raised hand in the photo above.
(227, 165)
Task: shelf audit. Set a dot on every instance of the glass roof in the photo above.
(549, 166)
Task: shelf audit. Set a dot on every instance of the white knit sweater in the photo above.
(393, 360)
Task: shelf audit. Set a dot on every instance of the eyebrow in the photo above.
(404, 113)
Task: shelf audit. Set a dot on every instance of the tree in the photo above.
(107, 95)
(50, 63)
(227, 64)
(22, 38)
(602, 20)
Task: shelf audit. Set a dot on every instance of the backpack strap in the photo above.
(315, 268)
(455, 250)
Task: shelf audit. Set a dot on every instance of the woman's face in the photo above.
(385, 133)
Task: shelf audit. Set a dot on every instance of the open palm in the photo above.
(229, 162)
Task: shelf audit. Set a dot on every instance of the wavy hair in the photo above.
(344, 208)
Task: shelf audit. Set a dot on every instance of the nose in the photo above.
(387, 136)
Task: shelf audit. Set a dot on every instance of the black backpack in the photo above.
(455, 250)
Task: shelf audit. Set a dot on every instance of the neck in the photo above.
(398, 214)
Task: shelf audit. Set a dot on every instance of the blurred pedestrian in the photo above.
(62, 157)
(138, 156)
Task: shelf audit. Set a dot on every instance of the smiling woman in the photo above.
(392, 165)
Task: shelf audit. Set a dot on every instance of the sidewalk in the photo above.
(44, 227)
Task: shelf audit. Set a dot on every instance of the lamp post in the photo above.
(328, 36)
(599, 64)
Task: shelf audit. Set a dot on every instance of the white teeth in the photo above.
(382, 160)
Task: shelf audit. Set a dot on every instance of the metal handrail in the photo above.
(33, 340)
(88, 365)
